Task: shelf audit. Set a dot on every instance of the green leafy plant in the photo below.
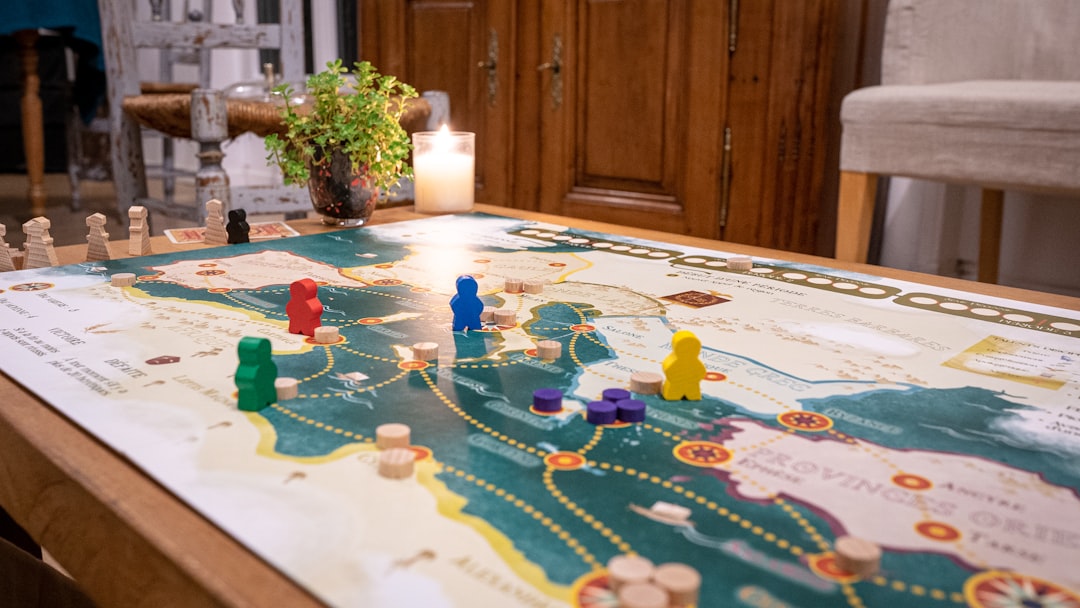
(358, 116)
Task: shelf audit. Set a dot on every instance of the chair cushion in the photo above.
(1012, 134)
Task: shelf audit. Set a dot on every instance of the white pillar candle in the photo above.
(444, 171)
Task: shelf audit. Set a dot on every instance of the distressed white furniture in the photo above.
(975, 92)
(123, 33)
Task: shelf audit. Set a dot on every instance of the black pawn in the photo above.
(238, 228)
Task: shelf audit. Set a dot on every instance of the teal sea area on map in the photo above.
(968, 420)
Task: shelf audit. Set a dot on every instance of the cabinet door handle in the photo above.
(492, 66)
(555, 65)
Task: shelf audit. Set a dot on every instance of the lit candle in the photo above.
(443, 170)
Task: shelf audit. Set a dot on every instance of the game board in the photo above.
(941, 425)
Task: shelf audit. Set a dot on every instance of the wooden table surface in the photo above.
(130, 542)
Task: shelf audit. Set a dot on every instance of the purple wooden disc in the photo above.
(615, 395)
(547, 399)
(600, 412)
(631, 410)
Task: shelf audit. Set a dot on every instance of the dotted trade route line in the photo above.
(327, 368)
(571, 348)
(761, 394)
(357, 391)
(473, 421)
(851, 595)
(538, 515)
(825, 546)
(711, 505)
(520, 297)
(249, 306)
(160, 313)
(598, 434)
(811, 531)
(660, 431)
(619, 350)
(919, 590)
(321, 425)
(482, 365)
(583, 515)
(366, 355)
(397, 297)
(880, 454)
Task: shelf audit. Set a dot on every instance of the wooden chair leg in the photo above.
(993, 207)
(855, 215)
(33, 123)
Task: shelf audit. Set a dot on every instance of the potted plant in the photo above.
(345, 141)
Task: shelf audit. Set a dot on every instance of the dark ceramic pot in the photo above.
(341, 196)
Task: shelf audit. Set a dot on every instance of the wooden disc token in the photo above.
(392, 435)
(857, 555)
(513, 286)
(123, 279)
(396, 463)
(505, 317)
(533, 286)
(425, 351)
(627, 569)
(642, 595)
(646, 383)
(548, 349)
(487, 315)
(740, 262)
(287, 388)
(326, 334)
(682, 582)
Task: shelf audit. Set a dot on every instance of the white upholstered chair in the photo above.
(975, 92)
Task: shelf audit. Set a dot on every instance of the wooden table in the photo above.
(129, 542)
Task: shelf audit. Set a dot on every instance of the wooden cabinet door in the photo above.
(629, 97)
(780, 120)
(703, 117)
(463, 48)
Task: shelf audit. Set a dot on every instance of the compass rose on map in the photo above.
(997, 589)
(805, 421)
(702, 453)
(31, 286)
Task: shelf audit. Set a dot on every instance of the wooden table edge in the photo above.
(127, 540)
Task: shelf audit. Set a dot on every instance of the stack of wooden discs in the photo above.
(740, 262)
(857, 555)
(639, 584)
(287, 388)
(396, 463)
(646, 383)
(425, 351)
(548, 350)
(505, 317)
(326, 334)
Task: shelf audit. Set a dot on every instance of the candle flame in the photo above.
(442, 139)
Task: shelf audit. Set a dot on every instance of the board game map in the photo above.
(941, 425)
